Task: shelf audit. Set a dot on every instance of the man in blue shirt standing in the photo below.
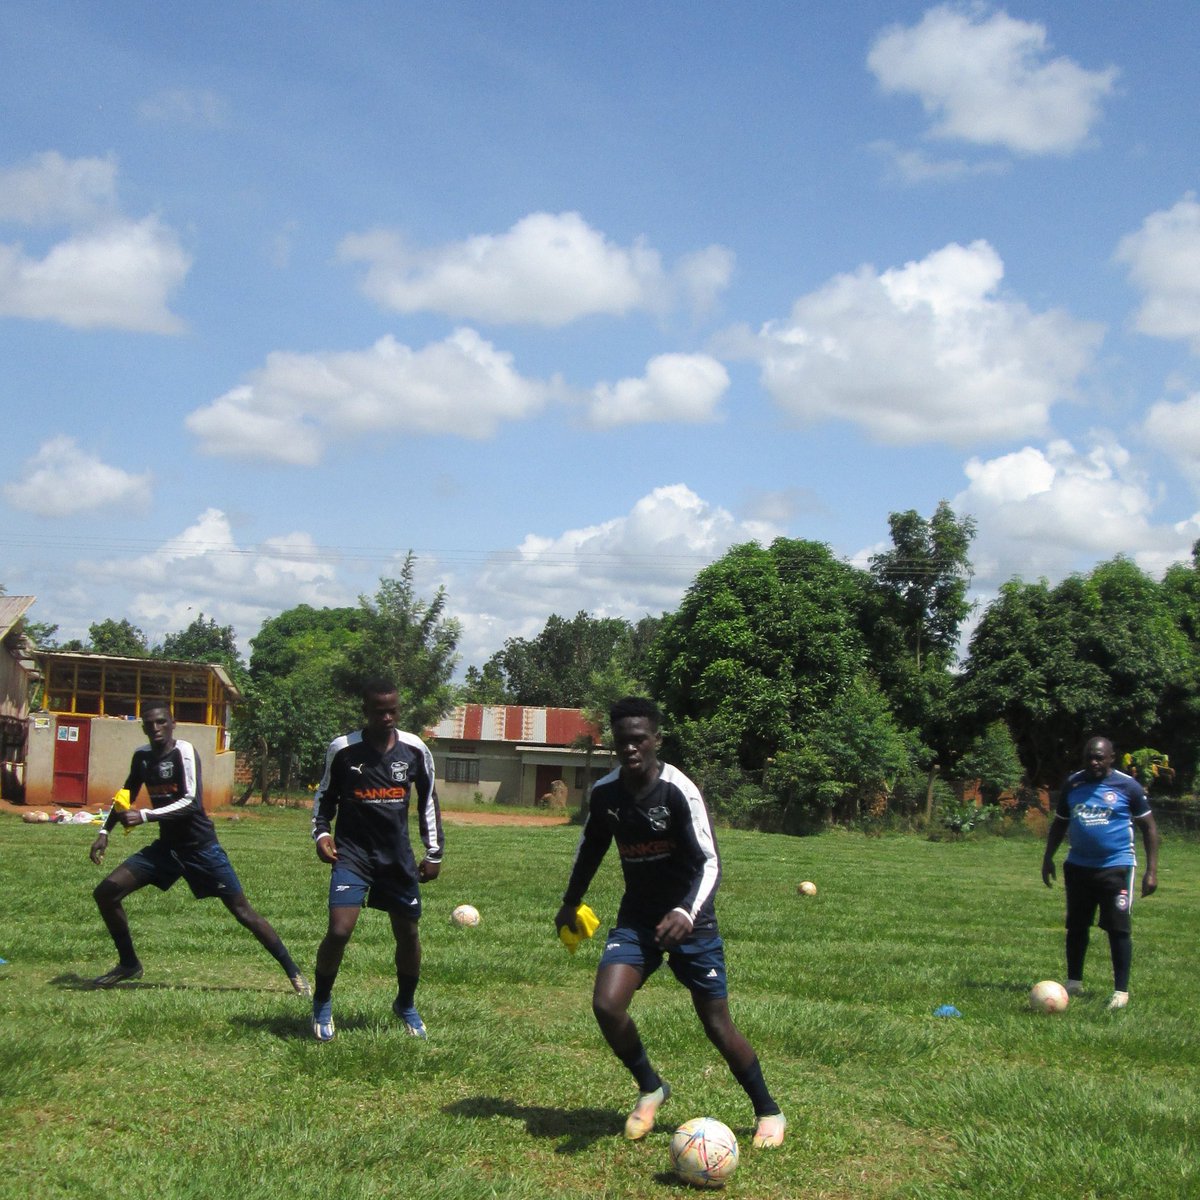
(1097, 809)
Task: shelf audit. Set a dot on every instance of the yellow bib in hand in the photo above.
(586, 923)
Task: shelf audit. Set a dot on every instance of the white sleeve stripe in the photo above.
(704, 835)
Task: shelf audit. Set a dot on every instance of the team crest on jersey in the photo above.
(1109, 798)
(166, 769)
(399, 772)
(659, 818)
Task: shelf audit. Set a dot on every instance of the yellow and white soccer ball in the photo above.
(704, 1152)
(807, 888)
(1049, 996)
(465, 914)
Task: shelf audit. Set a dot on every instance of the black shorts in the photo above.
(207, 869)
(1108, 888)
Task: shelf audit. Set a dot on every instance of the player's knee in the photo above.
(607, 1009)
(106, 894)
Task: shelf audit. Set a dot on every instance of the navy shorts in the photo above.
(393, 892)
(207, 869)
(699, 964)
(1110, 889)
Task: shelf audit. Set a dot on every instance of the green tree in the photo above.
(554, 668)
(852, 754)
(992, 758)
(121, 639)
(1181, 716)
(913, 620)
(484, 685)
(206, 641)
(763, 671)
(293, 706)
(409, 640)
(1097, 654)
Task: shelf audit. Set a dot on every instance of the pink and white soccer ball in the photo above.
(1048, 996)
(704, 1152)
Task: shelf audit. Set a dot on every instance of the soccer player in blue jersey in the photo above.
(1097, 810)
(186, 847)
(373, 778)
(658, 819)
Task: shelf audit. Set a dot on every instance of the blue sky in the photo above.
(569, 298)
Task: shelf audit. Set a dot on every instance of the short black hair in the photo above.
(377, 685)
(635, 706)
(149, 706)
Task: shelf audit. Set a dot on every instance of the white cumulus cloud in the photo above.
(548, 269)
(1173, 428)
(205, 568)
(675, 387)
(296, 404)
(631, 565)
(61, 480)
(930, 351)
(108, 271)
(989, 79)
(1045, 512)
(1163, 258)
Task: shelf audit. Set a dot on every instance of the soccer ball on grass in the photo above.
(807, 888)
(1049, 996)
(704, 1152)
(465, 914)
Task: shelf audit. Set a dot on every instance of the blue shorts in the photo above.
(699, 964)
(392, 893)
(207, 869)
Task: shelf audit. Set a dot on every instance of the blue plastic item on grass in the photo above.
(946, 1010)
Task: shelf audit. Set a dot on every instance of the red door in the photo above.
(71, 760)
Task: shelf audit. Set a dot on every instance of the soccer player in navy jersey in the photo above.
(1097, 809)
(186, 847)
(373, 778)
(658, 819)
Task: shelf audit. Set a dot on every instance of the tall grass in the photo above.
(203, 1079)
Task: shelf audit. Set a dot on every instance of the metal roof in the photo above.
(81, 656)
(516, 723)
(12, 609)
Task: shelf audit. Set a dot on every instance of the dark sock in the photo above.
(638, 1064)
(751, 1079)
(406, 990)
(126, 954)
(279, 953)
(323, 987)
(1077, 944)
(1121, 945)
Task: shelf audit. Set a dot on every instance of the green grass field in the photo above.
(203, 1080)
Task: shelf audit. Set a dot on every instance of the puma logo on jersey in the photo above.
(357, 768)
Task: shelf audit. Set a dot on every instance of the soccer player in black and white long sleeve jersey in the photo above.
(186, 847)
(373, 778)
(669, 859)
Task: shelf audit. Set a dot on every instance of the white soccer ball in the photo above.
(465, 914)
(704, 1152)
(807, 888)
(1048, 996)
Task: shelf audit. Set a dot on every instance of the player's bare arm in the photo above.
(1150, 839)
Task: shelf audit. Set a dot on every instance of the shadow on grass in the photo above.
(579, 1127)
(297, 1025)
(70, 982)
